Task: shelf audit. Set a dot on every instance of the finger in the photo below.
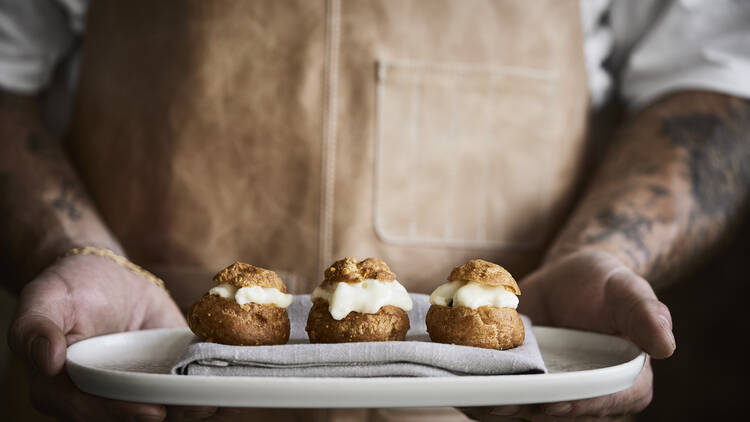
(57, 396)
(521, 413)
(632, 400)
(190, 413)
(475, 413)
(506, 411)
(37, 332)
(493, 414)
(638, 314)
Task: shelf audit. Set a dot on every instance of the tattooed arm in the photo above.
(44, 206)
(669, 189)
(45, 211)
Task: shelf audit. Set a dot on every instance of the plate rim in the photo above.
(78, 371)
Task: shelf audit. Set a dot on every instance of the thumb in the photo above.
(637, 314)
(37, 331)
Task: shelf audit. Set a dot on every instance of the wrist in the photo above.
(107, 285)
(613, 257)
(562, 251)
(53, 245)
(118, 259)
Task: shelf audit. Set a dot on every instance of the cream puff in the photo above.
(246, 307)
(358, 301)
(477, 307)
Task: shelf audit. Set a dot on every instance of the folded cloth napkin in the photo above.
(417, 356)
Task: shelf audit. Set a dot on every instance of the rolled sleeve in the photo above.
(695, 44)
(34, 36)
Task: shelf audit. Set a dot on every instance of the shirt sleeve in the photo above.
(682, 44)
(598, 45)
(34, 36)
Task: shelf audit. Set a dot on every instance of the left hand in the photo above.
(593, 291)
(78, 297)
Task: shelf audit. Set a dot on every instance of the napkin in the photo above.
(417, 356)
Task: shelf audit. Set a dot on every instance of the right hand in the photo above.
(593, 291)
(78, 297)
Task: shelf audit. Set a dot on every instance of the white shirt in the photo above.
(650, 47)
(653, 47)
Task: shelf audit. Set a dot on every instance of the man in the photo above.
(288, 134)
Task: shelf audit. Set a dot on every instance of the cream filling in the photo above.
(365, 297)
(252, 294)
(473, 295)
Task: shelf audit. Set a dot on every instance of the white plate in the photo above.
(135, 366)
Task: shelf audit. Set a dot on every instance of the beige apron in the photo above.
(289, 134)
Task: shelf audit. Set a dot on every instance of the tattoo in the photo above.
(668, 191)
(67, 200)
(658, 190)
(718, 156)
(632, 227)
(44, 207)
(39, 144)
(633, 222)
(69, 197)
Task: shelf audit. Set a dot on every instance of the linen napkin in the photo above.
(417, 356)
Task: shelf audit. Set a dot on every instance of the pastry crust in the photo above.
(487, 327)
(223, 320)
(240, 275)
(350, 270)
(388, 324)
(216, 319)
(486, 273)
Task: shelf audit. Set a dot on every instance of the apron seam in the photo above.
(328, 165)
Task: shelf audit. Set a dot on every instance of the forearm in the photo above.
(670, 187)
(44, 206)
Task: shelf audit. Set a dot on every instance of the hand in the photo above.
(594, 291)
(79, 297)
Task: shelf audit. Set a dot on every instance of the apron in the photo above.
(289, 134)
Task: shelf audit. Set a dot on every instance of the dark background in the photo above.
(706, 377)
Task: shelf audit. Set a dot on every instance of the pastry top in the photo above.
(485, 273)
(349, 270)
(241, 275)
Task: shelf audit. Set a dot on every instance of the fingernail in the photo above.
(505, 410)
(668, 330)
(39, 353)
(558, 409)
(665, 323)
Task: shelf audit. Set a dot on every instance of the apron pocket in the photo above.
(461, 153)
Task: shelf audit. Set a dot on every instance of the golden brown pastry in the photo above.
(358, 301)
(477, 307)
(247, 307)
